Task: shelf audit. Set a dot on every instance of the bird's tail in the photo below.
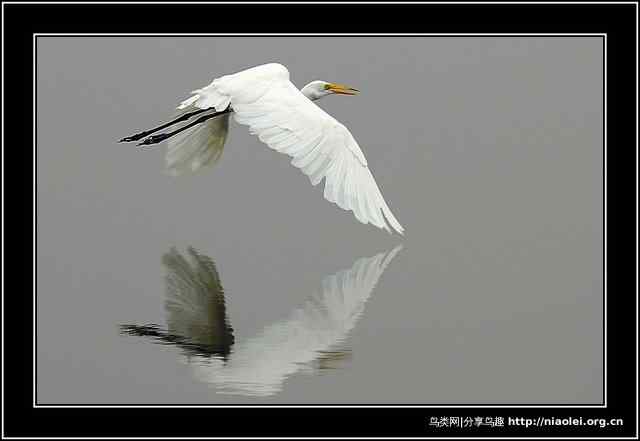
(197, 147)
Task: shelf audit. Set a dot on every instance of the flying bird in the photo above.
(288, 121)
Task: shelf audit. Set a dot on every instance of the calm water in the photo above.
(242, 285)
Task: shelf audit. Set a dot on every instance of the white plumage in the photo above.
(287, 120)
(197, 147)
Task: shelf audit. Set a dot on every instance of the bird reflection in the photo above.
(311, 338)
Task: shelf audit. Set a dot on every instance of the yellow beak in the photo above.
(341, 89)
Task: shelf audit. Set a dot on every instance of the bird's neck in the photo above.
(311, 93)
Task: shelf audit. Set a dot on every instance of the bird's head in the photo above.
(317, 89)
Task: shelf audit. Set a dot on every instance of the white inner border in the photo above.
(440, 34)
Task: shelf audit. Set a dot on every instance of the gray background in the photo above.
(488, 150)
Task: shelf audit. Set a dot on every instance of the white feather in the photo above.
(287, 121)
(197, 147)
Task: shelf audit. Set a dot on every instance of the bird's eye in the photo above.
(327, 86)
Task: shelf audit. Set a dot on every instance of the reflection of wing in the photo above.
(260, 365)
(195, 307)
(195, 303)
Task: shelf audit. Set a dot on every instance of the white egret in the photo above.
(287, 120)
(312, 336)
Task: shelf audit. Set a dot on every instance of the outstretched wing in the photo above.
(264, 99)
(196, 148)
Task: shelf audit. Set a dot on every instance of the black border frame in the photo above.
(617, 21)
